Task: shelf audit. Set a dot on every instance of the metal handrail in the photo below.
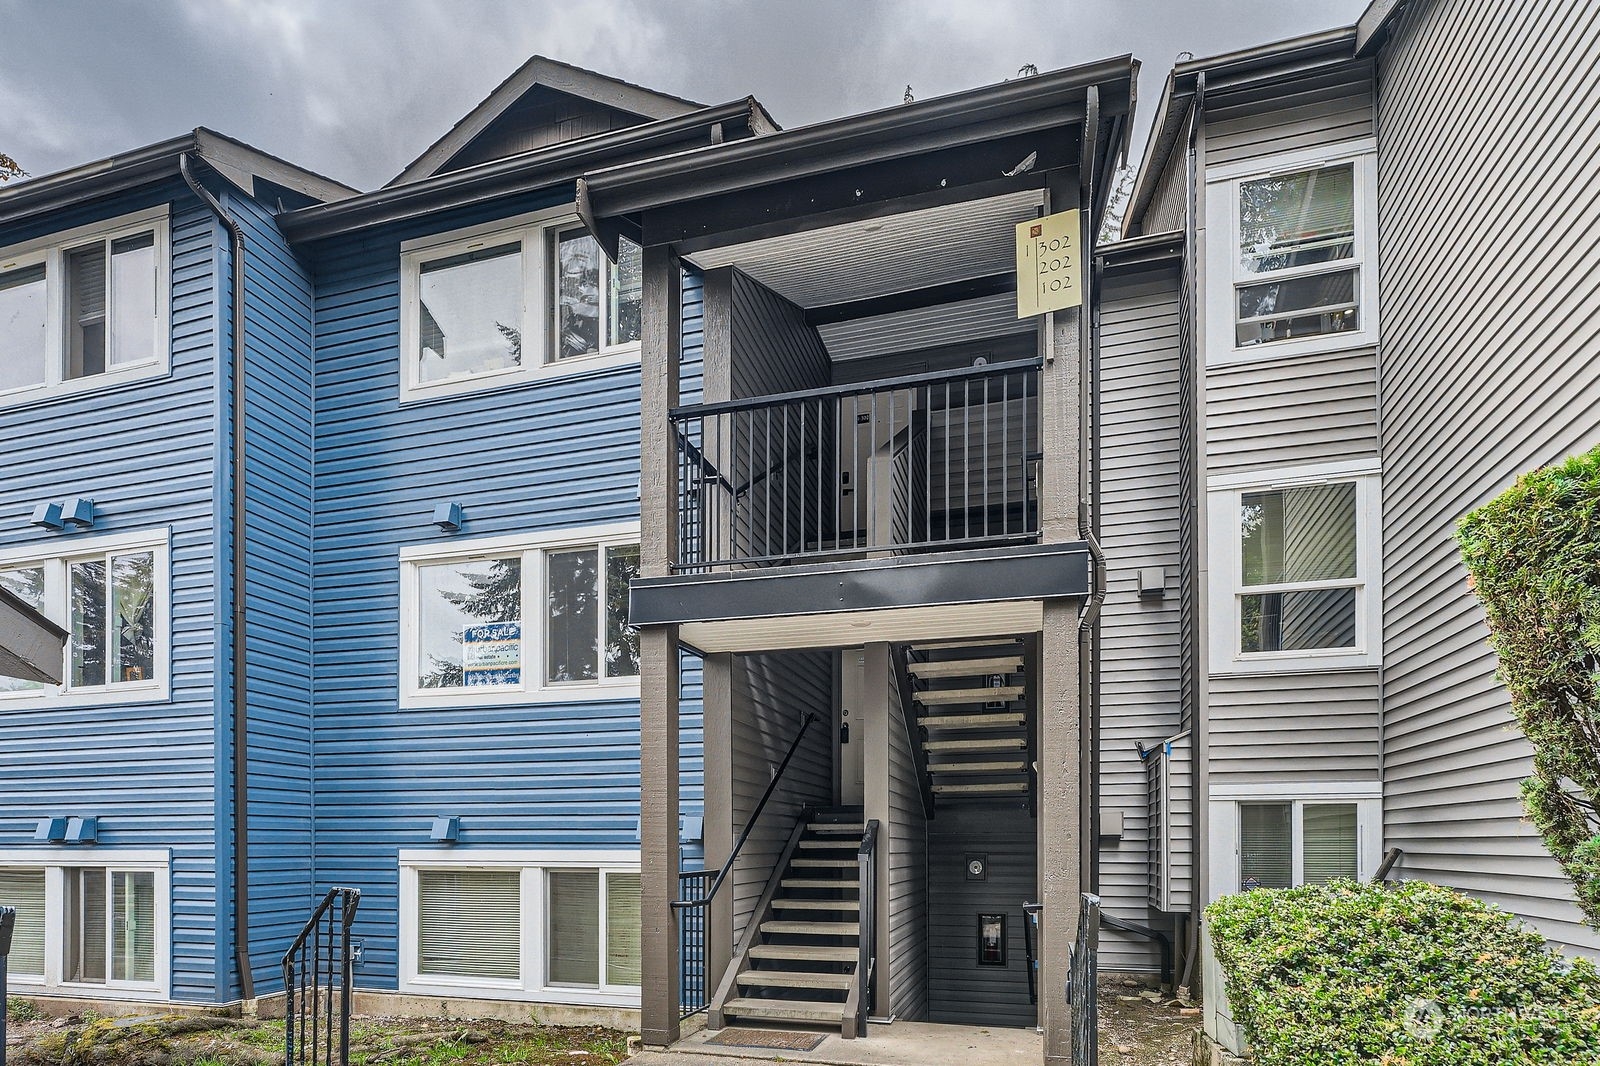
(8, 921)
(727, 867)
(1163, 941)
(867, 927)
(858, 388)
(321, 1035)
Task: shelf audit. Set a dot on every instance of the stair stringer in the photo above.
(728, 987)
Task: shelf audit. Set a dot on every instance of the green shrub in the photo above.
(1399, 975)
(1534, 556)
(22, 1010)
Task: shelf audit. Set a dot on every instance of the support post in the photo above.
(659, 685)
(1061, 832)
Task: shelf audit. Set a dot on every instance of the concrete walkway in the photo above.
(896, 1044)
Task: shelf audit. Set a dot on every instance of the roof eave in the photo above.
(489, 181)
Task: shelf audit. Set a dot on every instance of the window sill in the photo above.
(41, 395)
(570, 694)
(1354, 340)
(521, 377)
(1297, 663)
(109, 990)
(468, 989)
(99, 697)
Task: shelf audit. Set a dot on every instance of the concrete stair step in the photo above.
(818, 882)
(953, 747)
(987, 788)
(990, 720)
(1008, 766)
(797, 953)
(1005, 664)
(823, 864)
(786, 1010)
(786, 904)
(795, 979)
(941, 697)
(813, 928)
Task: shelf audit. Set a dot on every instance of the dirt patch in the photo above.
(1140, 1026)
(187, 1041)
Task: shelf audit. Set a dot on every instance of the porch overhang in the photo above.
(853, 601)
(30, 644)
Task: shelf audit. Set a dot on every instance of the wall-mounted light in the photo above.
(82, 830)
(447, 516)
(47, 515)
(78, 512)
(446, 830)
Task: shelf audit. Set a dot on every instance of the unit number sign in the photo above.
(1049, 264)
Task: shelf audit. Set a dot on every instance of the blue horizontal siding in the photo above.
(279, 408)
(144, 452)
(556, 453)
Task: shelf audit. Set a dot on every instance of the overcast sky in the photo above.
(356, 89)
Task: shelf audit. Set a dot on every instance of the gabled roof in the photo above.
(253, 171)
(542, 73)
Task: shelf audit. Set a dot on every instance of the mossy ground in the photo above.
(199, 1041)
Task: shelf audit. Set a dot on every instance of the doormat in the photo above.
(768, 1038)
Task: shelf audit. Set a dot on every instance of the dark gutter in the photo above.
(503, 177)
(1231, 70)
(67, 188)
(240, 706)
(1140, 251)
(1022, 105)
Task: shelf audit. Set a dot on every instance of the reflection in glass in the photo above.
(88, 594)
(133, 300)
(27, 584)
(22, 334)
(573, 616)
(577, 294)
(468, 623)
(471, 314)
(622, 640)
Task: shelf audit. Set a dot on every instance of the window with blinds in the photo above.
(469, 923)
(24, 890)
(573, 947)
(1266, 845)
(133, 925)
(1330, 840)
(622, 929)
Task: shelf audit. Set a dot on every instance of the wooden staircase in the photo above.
(799, 962)
(972, 708)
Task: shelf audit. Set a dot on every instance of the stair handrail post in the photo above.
(348, 899)
(8, 923)
(867, 927)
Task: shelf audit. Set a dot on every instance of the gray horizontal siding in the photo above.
(770, 695)
(1292, 412)
(907, 872)
(1140, 638)
(1321, 108)
(1489, 156)
(1294, 727)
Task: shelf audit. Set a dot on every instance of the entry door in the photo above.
(851, 735)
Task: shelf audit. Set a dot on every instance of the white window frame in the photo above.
(534, 550)
(52, 251)
(1225, 546)
(55, 863)
(1225, 817)
(1222, 256)
(533, 985)
(56, 557)
(535, 233)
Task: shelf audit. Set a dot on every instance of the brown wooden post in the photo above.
(1059, 754)
(658, 653)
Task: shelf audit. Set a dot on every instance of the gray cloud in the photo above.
(358, 88)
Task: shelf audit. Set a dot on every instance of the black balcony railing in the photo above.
(926, 462)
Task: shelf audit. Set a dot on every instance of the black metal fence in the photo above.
(1083, 979)
(8, 923)
(692, 885)
(317, 981)
(938, 460)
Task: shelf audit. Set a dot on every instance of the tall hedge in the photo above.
(1534, 556)
(1349, 974)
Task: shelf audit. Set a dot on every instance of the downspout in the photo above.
(1200, 655)
(241, 766)
(1088, 507)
